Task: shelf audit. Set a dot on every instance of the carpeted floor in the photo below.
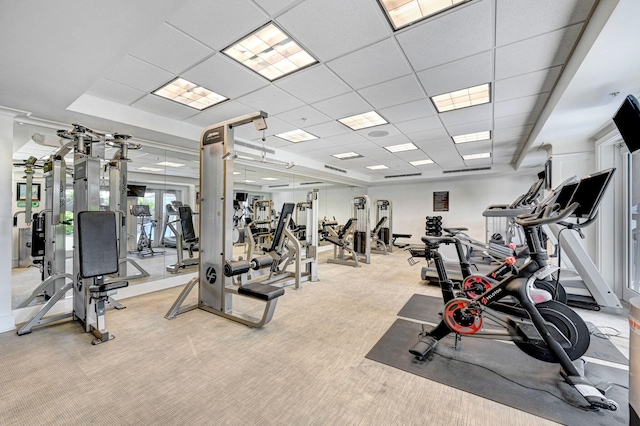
(307, 367)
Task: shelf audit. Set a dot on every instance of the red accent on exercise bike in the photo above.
(512, 246)
(511, 260)
(475, 285)
(460, 319)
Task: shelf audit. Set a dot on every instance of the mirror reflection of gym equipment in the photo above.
(362, 232)
(185, 239)
(146, 226)
(381, 233)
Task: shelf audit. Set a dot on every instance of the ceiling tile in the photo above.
(393, 92)
(229, 109)
(431, 43)
(511, 132)
(521, 19)
(527, 84)
(362, 67)
(536, 53)
(138, 74)
(390, 140)
(225, 76)
(303, 117)
(171, 49)
(337, 27)
(203, 120)
(271, 100)
(474, 147)
(520, 105)
(273, 142)
(274, 6)
(467, 115)
(467, 72)
(313, 84)
(274, 127)
(164, 107)
(480, 162)
(408, 111)
(363, 146)
(343, 106)
(325, 130)
(420, 124)
(311, 146)
(218, 23)
(346, 139)
(476, 126)
(517, 120)
(116, 92)
(429, 135)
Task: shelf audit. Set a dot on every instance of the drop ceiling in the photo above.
(98, 65)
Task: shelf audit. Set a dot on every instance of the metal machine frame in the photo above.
(362, 233)
(215, 290)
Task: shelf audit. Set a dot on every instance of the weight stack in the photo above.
(433, 226)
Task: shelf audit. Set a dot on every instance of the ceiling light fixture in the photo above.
(150, 169)
(401, 147)
(270, 52)
(347, 155)
(472, 137)
(378, 167)
(420, 162)
(296, 136)
(471, 96)
(362, 121)
(170, 164)
(189, 94)
(476, 156)
(405, 12)
(270, 178)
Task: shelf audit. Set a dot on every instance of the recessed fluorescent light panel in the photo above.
(270, 52)
(378, 167)
(248, 181)
(269, 178)
(347, 155)
(296, 136)
(404, 12)
(170, 164)
(401, 147)
(189, 94)
(476, 156)
(472, 137)
(150, 169)
(420, 162)
(471, 96)
(362, 121)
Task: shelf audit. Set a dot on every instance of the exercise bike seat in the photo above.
(434, 241)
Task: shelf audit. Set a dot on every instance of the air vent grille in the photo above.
(326, 166)
(279, 186)
(310, 183)
(473, 169)
(405, 175)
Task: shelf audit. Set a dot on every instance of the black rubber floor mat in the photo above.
(426, 308)
(502, 373)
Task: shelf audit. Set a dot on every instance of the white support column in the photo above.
(7, 321)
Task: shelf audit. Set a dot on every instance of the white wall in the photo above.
(468, 198)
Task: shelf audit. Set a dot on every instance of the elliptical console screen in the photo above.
(590, 191)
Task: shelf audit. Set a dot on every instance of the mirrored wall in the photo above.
(162, 195)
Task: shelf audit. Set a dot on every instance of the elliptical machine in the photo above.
(541, 327)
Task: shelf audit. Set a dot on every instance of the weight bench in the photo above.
(98, 253)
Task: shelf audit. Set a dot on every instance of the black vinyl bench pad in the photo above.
(260, 291)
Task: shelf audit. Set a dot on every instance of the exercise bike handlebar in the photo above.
(546, 216)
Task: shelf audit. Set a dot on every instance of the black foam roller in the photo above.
(232, 268)
(261, 262)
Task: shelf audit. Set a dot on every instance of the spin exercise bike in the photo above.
(541, 327)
